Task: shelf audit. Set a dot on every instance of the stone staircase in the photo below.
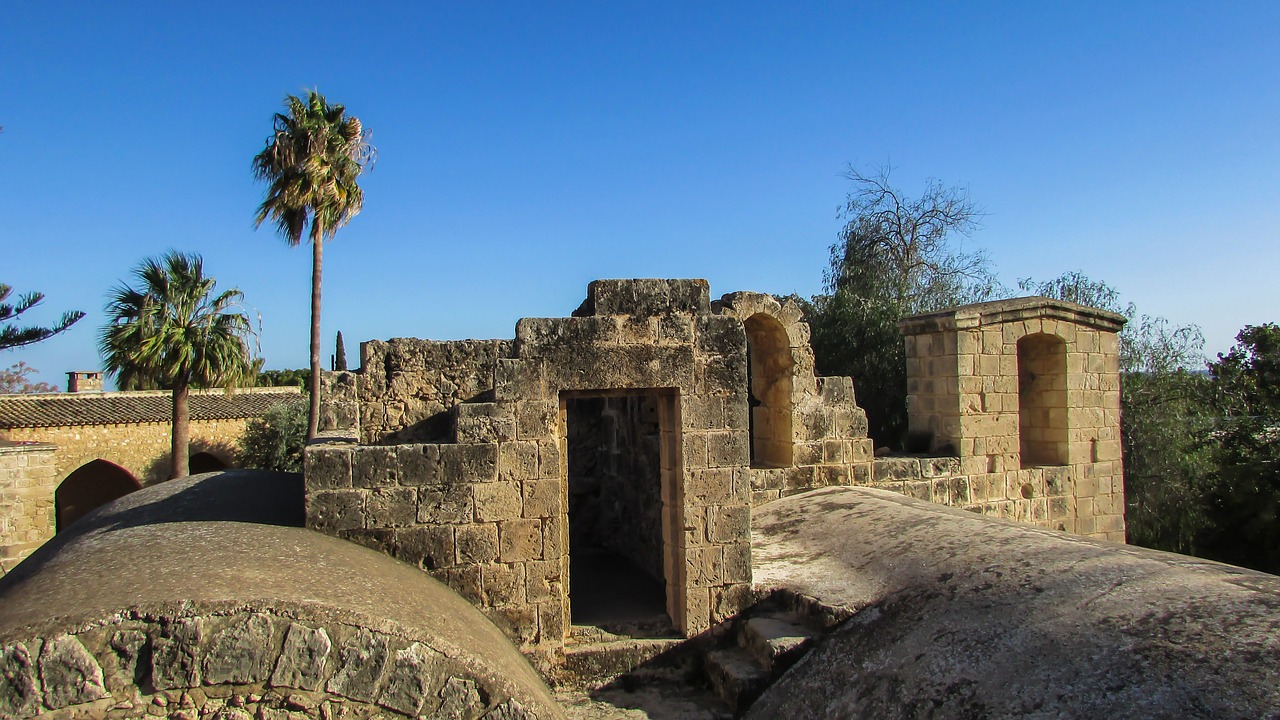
(760, 649)
(715, 676)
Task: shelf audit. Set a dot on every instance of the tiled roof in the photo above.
(112, 408)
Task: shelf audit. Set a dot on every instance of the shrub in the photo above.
(275, 441)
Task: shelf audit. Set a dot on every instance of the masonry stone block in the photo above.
(391, 507)
(504, 585)
(543, 580)
(518, 461)
(241, 652)
(19, 692)
(476, 463)
(410, 679)
(374, 466)
(542, 499)
(69, 673)
(477, 543)
(419, 464)
(519, 540)
(429, 547)
(361, 663)
(335, 510)
(445, 504)
(303, 659)
(536, 420)
(519, 379)
(728, 449)
(498, 501)
(328, 467)
(175, 654)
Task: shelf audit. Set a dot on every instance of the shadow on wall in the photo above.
(204, 456)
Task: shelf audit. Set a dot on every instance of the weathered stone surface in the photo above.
(360, 665)
(175, 654)
(304, 658)
(960, 616)
(410, 679)
(240, 653)
(459, 700)
(19, 694)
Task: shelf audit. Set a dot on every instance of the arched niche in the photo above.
(769, 387)
(203, 462)
(95, 483)
(1042, 400)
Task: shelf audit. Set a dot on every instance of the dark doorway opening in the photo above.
(615, 481)
(203, 462)
(92, 484)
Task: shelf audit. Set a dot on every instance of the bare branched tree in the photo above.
(909, 248)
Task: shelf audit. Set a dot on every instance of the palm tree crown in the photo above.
(174, 331)
(311, 162)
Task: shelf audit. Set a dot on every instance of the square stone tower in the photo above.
(1026, 393)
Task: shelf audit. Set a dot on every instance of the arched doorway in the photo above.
(203, 462)
(769, 387)
(95, 483)
(1042, 400)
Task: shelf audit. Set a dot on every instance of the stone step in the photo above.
(776, 643)
(591, 664)
(736, 677)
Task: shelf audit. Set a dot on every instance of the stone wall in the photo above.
(741, 420)
(408, 387)
(991, 381)
(27, 480)
(240, 666)
(140, 448)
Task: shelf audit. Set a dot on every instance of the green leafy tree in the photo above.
(13, 335)
(896, 256)
(175, 330)
(313, 158)
(284, 378)
(275, 441)
(1243, 505)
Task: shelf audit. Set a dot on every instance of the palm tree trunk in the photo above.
(178, 451)
(317, 249)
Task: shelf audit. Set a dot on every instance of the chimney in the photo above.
(84, 381)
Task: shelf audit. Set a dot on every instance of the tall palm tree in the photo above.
(175, 331)
(311, 162)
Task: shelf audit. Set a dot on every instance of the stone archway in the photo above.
(769, 385)
(203, 462)
(95, 483)
(1042, 400)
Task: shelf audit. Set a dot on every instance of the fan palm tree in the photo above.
(175, 331)
(311, 162)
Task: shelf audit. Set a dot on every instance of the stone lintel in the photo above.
(998, 312)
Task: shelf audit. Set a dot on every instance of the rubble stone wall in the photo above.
(27, 482)
(409, 387)
(240, 666)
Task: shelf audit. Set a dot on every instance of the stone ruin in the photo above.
(632, 439)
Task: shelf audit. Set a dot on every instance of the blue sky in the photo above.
(528, 148)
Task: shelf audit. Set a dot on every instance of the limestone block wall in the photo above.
(27, 481)
(1022, 391)
(455, 456)
(484, 505)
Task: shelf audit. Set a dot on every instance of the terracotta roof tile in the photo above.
(111, 408)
